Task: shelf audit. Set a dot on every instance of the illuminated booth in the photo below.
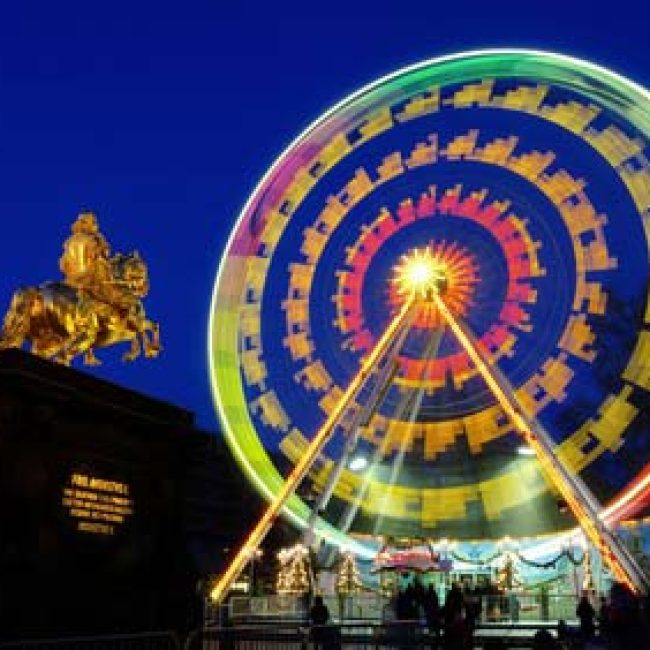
(400, 561)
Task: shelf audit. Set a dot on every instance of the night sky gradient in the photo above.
(161, 117)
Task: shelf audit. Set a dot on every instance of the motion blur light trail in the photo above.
(525, 176)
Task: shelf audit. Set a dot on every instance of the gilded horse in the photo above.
(60, 321)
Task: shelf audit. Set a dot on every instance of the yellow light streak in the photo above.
(299, 471)
(588, 521)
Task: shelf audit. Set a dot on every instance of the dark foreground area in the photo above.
(113, 506)
(361, 636)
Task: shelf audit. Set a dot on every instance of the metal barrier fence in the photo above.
(402, 636)
(359, 636)
(512, 608)
(166, 640)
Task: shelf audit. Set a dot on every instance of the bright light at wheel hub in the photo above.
(441, 267)
(420, 273)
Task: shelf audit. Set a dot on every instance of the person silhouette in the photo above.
(586, 615)
(319, 616)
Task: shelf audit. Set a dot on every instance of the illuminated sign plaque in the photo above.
(414, 560)
(97, 505)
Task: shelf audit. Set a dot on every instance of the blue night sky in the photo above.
(161, 117)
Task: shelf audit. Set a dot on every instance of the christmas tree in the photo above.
(507, 576)
(293, 577)
(587, 575)
(348, 580)
(281, 585)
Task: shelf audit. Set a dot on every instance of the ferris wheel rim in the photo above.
(548, 56)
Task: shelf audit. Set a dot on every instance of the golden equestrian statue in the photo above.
(98, 303)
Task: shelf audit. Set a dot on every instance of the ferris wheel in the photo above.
(432, 314)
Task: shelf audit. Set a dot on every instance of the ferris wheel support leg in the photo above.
(574, 491)
(361, 418)
(314, 448)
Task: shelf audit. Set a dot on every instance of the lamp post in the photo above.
(255, 555)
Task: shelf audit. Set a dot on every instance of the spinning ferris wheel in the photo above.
(447, 270)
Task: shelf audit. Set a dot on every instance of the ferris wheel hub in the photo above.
(421, 272)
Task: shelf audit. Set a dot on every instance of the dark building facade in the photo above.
(113, 506)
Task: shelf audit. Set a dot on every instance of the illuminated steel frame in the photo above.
(577, 495)
(575, 492)
(226, 385)
(317, 444)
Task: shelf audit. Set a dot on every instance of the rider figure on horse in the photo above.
(98, 303)
(85, 259)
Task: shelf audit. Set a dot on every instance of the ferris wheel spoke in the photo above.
(412, 412)
(575, 492)
(379, 453)
(408, 406)
(385, 375)
(405, 406)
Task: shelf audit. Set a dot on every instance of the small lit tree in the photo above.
(348, 579)
(293, 577)
(587, 573)
(281, 585)
(508, 577)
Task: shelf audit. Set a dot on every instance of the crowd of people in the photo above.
(454, 621)
(619, 622)
(456, 618)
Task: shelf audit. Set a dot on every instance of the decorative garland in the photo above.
(543, 583)
(573, 560)
(551, 564)
(481, 562)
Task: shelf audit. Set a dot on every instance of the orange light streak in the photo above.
(314, 448)
(596, 531)
(626, 504)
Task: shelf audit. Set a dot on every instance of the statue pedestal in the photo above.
(102, 492)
